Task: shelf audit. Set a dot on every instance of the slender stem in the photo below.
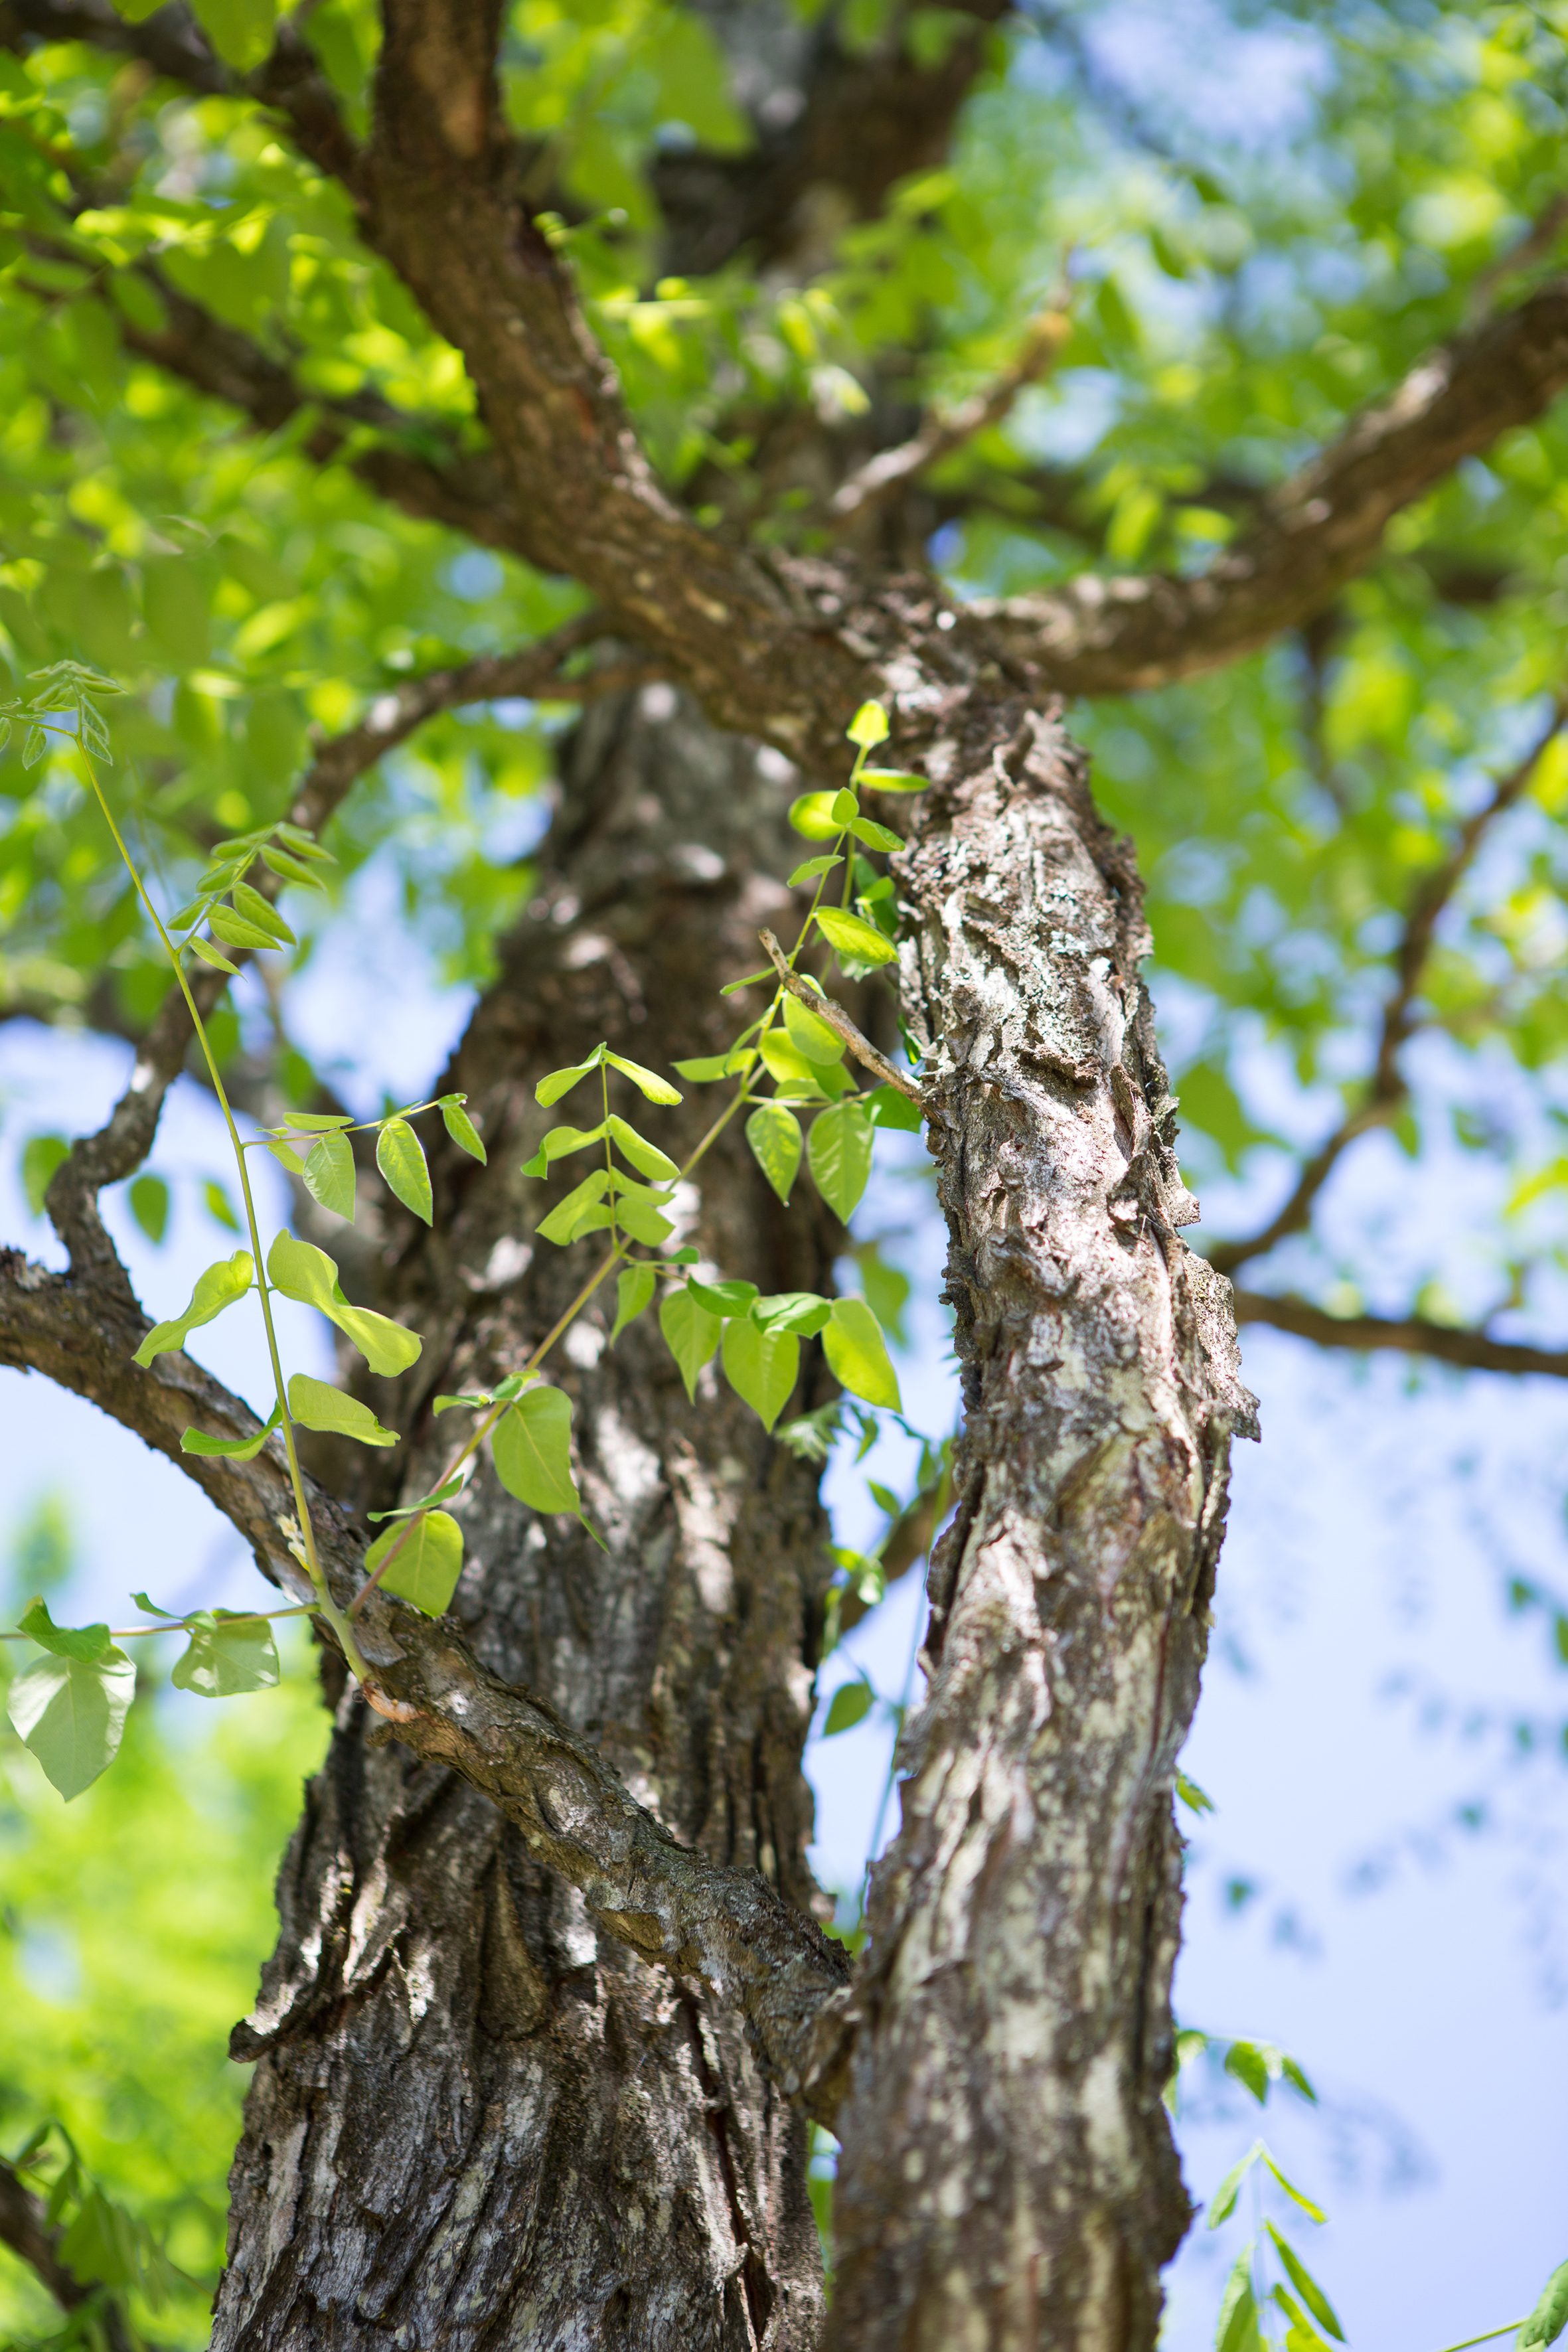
(609, 1159)
(1490, 2337)
(183, 1624)
(325, 1601)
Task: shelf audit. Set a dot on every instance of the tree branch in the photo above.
(1409, 1336)
(25, 2228)
(890, 470)
(839, 1021)
(1385, 1089)
(1099, 636)
(728, 1927)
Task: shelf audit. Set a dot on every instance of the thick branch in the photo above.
(728, 1927)
(1385, 1089)
(1409, 1336)
(1103, 635)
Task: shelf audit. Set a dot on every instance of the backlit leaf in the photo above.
(876, 837)
(891, 779)
(215, 1291)
(811, 869)
(559, 1143)
(868, 727)
(330, 1174)
(463, 1131)
(839, 1150)
(41, 1155)
(773, 1134)
(723, 1299)
(801, 1311)
(812, 814)
(569, 1217)
(83, 1642)
(428, 1563)
(301, 1271)
(230, 1655)
(400, 1156)
(551, 1088)
(71, 1714)
(1223, 2203)
(320, 1406)
(149, 1206)
(235, 933)
(691, 1333)
(642, 1154)
(760, 1366)
(633, 1288)
(252, 907)
(857, 1354)
(647, 1082)
(214, 956)
(1311, 2293)
(850, 935)
(1314, 2213)
(809, 1036)
(230, 1449)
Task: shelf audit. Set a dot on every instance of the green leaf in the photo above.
(839, 1150)
(642, 1154)
(723, 1298)
(330, 1174)
(1230, 2190)
(809, 1036)
(852, 1703)
(230, 1449)
(473, 1399)
(637, 1215)
(300, 1271)
(732, 987)
(810, 871)
(149, 1206)
(209, 954)
(801, 1311)
(252, 907)
(1246, 2065)
(41, 1155)
(570, 1217)
(551, 1088)
(812, 814)
(315, 1122)
(888, 1108)
(857, 1354)
(773, 1134)
(531, 1443)
(706, 1069)
(1237, 2330)
(83, 1642)
(633, 1288)
(783, 1060)
(1197, 1799)
(400, 1156)
(218, 1205)
(235, 933)
(647, 1082)
(559, 1143)
(876, 837)
(463, 1131)
(850, 935)
(239, 30)
(290, 869)
(230, 1655)
(71, 1714)
(760, 1366)
(215, 1291)
(1314, 2213)
(320, 1406)
(868, 727)
(1548, 2318)
(891, 779)
(303, 844)
(426, 1568)
(690, 1334)
(287, 1157)
(1312, 2295)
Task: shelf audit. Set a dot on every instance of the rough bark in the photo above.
(478, 2119)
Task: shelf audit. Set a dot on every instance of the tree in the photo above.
(683, 316)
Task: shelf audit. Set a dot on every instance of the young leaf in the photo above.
(462, 1130)
(875, 836)
(71, 1714)
(453, 1486)
(315, 1122)
(636, 1214)
(320, 1406)
(643, 1155)
(303, 844)
(473, 1399)
(839, 1150)
(1307, 2286)
(868, 727)
(302, 1272)
(850, 935)
(230, 1449)
(647, 1082)
(1237, 2330)
(801, 1311)
(557, 1083)
(809, 1036)
(845, 807)
(690, 1334)
(1314, 2213)
(400, 1156)
(732, 987)
(569, 1217)
(723, 1298)
(230, 1655)
(773, 1134)
(560, 1143)
(149, 1206)
(783, 1060)
(851, 1704)
(633, 1288)
(426, 1568)
(890, 780)
(235, 933)
(857, 1355)
(1548, 2318)
(83, 1642)
(810, 870)
(531, 1443)
(290, 869)
(1229, 2188)
(812, 814)
(705, 1069)
(218, 1205)
(330, 1174)
(1246, 2065)
(41, 1155)
(760, 1367)
(209, 954)
(287, 1157)
(252, 907)
(1197, 1799)
(216, 1289)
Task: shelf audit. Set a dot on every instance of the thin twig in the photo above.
(940, 435)
(1386, 1089)
(1408, 1336)
(839, 1021)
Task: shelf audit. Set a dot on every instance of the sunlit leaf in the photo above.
(857, 1353)
(760, 1366)
(531, 1443)
(428, 1563)
(330, 1174)
(691, 1333)
(301, 1271)
(71, 1714)
(215, 1291)
(838, 1150)
(634, 1287)
(320, 1406)
(400, 1156)
(773, 1134)
(228, 1656)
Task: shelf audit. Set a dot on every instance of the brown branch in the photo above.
(728, 1927)
(25, 2228)
(1099, 636)
(839, 1021)
(1385, 1089)
(889, 471)
(1409, 1336)
(1534, 246)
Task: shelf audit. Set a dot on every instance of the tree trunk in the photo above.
(476, 2121)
